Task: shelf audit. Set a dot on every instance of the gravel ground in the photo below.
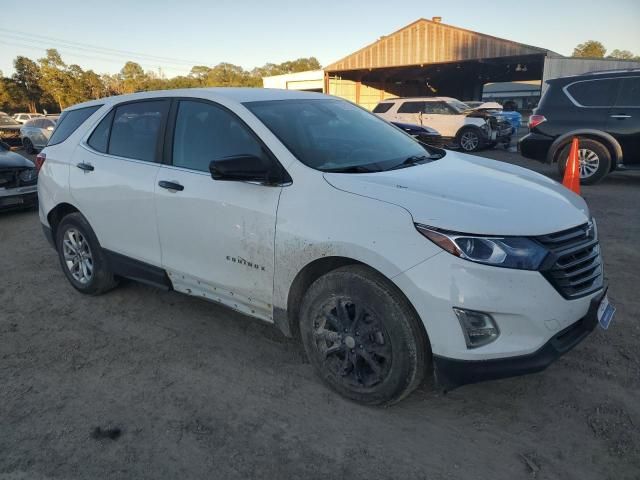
(189, 389)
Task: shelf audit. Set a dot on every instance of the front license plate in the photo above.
(11, 201)
(494, 135)
(606, 311)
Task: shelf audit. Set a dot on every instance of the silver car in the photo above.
(25, 117)
(36, 132)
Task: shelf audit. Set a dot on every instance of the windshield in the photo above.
(334, 135)
(459, 106)
(5, 120)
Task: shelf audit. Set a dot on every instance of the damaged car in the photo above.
(392, 261)
(18, 180)
(10, 131)
(460, 125)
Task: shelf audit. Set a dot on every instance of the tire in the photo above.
(81, 257)
(362, 337)
(595, 160)
(28, 146)
(469, 139)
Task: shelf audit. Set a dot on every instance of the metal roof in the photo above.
(425, 41)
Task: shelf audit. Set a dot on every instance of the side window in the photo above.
(205, 132)
(69, 122)
(382, 107)
(437, 108)
(595, 93)
(411, 107)
(99, 139)
(629, 93)
(135, 129)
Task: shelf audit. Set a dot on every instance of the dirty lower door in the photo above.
(216, 237)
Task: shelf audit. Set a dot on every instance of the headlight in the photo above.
(28, 175)
(508, 252)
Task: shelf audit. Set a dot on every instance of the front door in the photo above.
(217, 237)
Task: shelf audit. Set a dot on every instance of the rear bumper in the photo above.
(535, 146)
(452, 373)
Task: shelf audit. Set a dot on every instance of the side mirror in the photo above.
(240, 168)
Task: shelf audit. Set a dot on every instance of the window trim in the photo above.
(169, 136)
(565, 89)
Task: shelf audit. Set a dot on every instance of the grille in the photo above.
(574, 266)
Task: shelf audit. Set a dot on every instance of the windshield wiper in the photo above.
(410, 161)
(350, 169)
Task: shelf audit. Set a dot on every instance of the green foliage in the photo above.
(623, 55)
(53, 85)
(590, 49)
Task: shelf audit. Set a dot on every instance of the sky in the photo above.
(173, 35)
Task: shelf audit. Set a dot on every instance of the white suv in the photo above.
(471, 130)
(388, 260)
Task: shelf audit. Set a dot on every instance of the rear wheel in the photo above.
(81, 256)
(469, 139)
(594, 158)
(28, 146)
(361, 336)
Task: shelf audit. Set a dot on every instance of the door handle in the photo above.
(85, 166)
(170, 185)
(620, 115)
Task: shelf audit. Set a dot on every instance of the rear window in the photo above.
(69, 122)
(382, 107)
(594, 93)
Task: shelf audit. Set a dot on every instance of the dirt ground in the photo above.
(199, 391)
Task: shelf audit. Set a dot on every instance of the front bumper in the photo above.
(20, 197)
(451, 372)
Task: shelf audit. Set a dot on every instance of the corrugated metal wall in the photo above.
(564, 67)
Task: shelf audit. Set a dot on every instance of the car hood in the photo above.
(469, 194)
(9, 159)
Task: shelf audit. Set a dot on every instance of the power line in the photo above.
(93, 57)
(93, 48)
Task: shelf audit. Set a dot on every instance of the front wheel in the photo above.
(594, 160)
(81, 257)
(361, 336)
(28, 146)
(469, 139)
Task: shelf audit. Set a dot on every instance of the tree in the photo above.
(590, 49)
(27, 81)
(54, 78)
(133, 77)
(622, 55)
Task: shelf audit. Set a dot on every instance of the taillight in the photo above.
(535, 120)
(40, 158)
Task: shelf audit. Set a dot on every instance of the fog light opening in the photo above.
(478, 328)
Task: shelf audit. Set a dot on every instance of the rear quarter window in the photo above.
(594, 93)
(382, 107)
(69, 122)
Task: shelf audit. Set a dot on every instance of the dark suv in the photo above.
(602, 109)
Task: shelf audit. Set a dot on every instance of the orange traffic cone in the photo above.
(571, 178)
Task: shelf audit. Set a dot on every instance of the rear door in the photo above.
(113, 176)
(217, 237)
(594, 99)
(624, 119)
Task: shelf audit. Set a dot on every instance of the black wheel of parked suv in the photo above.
(595, 160)
(469, 139)
(81, 257)
(362, 337)
(28, 146)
